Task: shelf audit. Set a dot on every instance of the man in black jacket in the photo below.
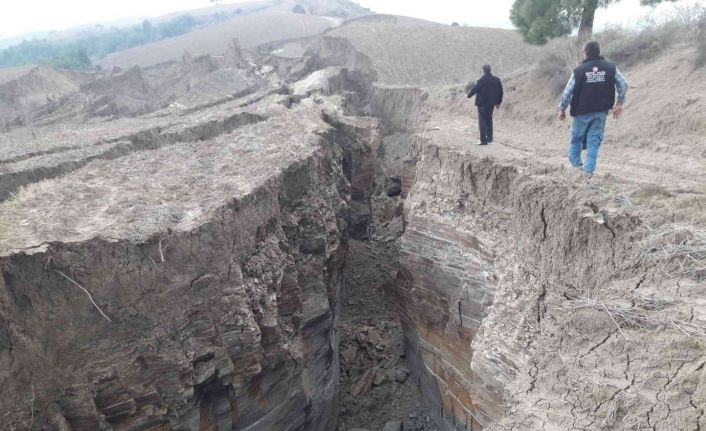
(590, 93)
(489, 95)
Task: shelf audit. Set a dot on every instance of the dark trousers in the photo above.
(485, 123)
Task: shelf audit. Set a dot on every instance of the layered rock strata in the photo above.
(188, 288)
(529, 301)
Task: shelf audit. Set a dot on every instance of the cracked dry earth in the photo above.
(223, 244)
(537, 300)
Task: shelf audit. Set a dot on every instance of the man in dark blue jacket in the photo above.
(591, 94)
(489, 95)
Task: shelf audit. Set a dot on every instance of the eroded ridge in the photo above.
(532, 302)
(219, 274)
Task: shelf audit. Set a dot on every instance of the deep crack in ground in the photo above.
(376, 386)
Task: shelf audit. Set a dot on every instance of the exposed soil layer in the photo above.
(219, 318)
(561, 311)
(247, 261)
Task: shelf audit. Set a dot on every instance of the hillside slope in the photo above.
(414, 52)
(252, 30)
(25, 89)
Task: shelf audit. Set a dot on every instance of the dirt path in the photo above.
(653, 158)
(376, 388)
(665, 184)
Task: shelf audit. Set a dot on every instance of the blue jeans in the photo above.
(587, 129)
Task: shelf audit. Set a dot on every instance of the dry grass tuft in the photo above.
(641, 313)
(672, 246)
(554, 71)
(556, 66)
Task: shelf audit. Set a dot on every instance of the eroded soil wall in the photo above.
(503, 284)
(228, 326)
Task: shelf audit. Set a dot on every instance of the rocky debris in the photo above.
(191, 82)
(370, 348)
(234, 57)
(122, 93)
(48, 96)
(40, 89)
(394, 186)
(319, 81)
(419, 422)
(400, 374)
(376, 390)
(359, 220)
(393, 426)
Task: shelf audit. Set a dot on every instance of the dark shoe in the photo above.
(481, 143)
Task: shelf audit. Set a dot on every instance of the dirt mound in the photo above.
(29, 91)
(121, 93)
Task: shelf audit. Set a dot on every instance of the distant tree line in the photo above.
(77, 53)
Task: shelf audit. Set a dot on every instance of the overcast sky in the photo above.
(24, 16)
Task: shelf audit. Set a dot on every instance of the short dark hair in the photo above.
(486, 68)
(592, 49)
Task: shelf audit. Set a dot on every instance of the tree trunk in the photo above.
(586, 26)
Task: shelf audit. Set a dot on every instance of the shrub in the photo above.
(556, 66)
(553, 71)
(627, 47)
(701, 43)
